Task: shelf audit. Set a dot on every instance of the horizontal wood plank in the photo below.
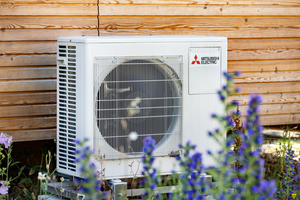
(225, 32)
(264, 43)
(14, 124)
(27, 110)
(263, 54)
(27, 98)
(233, 44)
(279, 98)
(42, 34)
(7, 48)
(180, 22)
(193, 2)
(8, 2)
(49, 23)
(280, 119)
(32, 135)
(22, 86)
(214, 10)
(274, 109)
(264, 66)
(156, 2)
(267, 77)
(51, 35)
(28, 73)
(47, 10)
(266, 88)
(27, 60)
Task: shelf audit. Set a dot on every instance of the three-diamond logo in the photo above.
(196, 61)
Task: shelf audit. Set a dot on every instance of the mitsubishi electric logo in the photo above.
(209, 60)
(196, 61)
(205, 60)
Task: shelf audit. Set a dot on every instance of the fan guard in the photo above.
(138, 97)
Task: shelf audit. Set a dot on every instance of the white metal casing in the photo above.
(199, 91)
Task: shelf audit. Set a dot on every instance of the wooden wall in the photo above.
(263, 43)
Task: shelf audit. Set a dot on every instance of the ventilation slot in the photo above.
(67, 107)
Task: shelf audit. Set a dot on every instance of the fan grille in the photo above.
(138, 97)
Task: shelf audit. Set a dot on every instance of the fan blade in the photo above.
(108, 90)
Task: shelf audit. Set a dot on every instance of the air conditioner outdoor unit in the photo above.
(110, 88)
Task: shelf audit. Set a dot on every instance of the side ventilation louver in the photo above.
(66, 107)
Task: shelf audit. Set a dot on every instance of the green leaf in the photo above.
(30, 181)
(15, 163)
(33, 169)
(28, 160)
(21, 170)
(24, 180)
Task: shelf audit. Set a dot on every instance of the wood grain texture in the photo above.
(32, 135)
(27, 110)
(193, 2)
(28, 73)
(49, 23)
(278, 98)
(8, 2)
(27, 60)
(32, 85)
(42, 34)
(263, 54)
(267, 88)
(280, 119)
(275, 109)
(193, 22)
(27, 98)
(204, 10)
(48, 10)
(157, 2)
(264, 43)
(233, 44)
(267, 77)
(7, 48)
(225, 32)
(14, 124)
(264, 66)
